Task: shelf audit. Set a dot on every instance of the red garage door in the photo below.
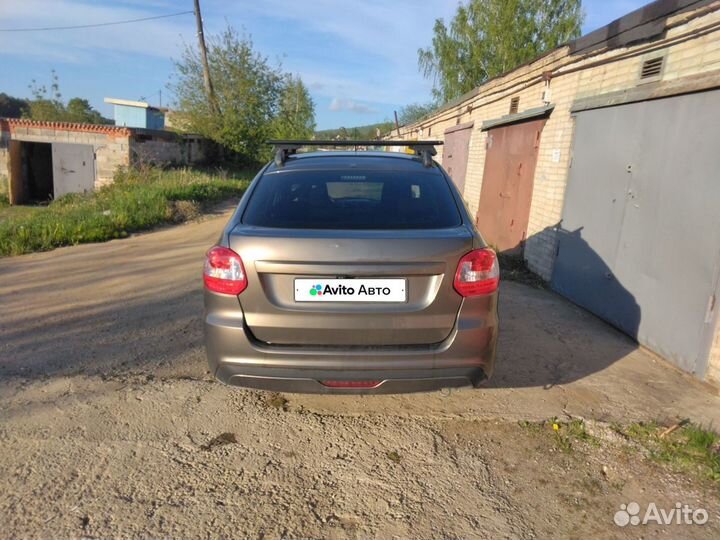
(455, 152)
(504, 208)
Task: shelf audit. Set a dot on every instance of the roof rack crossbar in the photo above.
(284, 148)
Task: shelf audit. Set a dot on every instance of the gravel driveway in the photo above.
(110, 425)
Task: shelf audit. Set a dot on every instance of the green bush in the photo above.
(3, 190)
(137, 200)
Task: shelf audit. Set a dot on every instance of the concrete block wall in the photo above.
(156, 151)
(109, 157)
(114, 146)
(109, 143)
(165, 150)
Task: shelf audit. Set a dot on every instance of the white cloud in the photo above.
(337, 105)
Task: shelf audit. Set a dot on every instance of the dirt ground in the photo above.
(110, 425)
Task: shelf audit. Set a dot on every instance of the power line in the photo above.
(94, 25)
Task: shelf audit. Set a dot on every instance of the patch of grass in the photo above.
(569, 433)
(8, 212)
(4, 201)
(689, 448)
(533, 427)
(138, 200)
(564, 434)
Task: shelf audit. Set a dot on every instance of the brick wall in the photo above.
(689, 52)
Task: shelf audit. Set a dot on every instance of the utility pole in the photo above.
(209, 91)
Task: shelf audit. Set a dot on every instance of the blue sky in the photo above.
(358, 57)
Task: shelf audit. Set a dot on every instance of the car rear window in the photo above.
(356, 200)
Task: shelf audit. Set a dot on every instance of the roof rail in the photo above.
(284, 148)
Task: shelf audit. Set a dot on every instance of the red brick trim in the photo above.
(8, 124)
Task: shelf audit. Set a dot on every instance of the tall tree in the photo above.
(489, 37)
(296, 115)
(247, 92)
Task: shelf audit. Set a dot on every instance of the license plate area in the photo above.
(355, 291)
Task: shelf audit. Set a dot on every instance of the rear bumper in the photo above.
(466, 357)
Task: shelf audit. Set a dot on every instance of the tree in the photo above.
(46, 105)
(12, 107)
(414, 112)
(249, 92)
(489, 37)
(49, 106)
(296, 115)
(80, 110)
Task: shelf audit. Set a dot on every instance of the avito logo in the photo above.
(342, 290)
(316, 290)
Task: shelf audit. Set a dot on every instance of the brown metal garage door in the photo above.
(507, 186)
(455, 152)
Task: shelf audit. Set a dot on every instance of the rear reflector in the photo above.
(477, 273)
(351, 384)
(224, 272)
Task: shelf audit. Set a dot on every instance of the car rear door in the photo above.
(308, 252)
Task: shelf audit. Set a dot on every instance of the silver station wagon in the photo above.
(351, 272)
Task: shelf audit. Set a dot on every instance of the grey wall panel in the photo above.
(644, 193)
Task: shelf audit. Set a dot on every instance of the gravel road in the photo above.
(110, 425)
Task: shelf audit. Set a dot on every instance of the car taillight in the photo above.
(224, 271)
(477, 273)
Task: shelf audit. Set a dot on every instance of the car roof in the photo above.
(366, 160)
